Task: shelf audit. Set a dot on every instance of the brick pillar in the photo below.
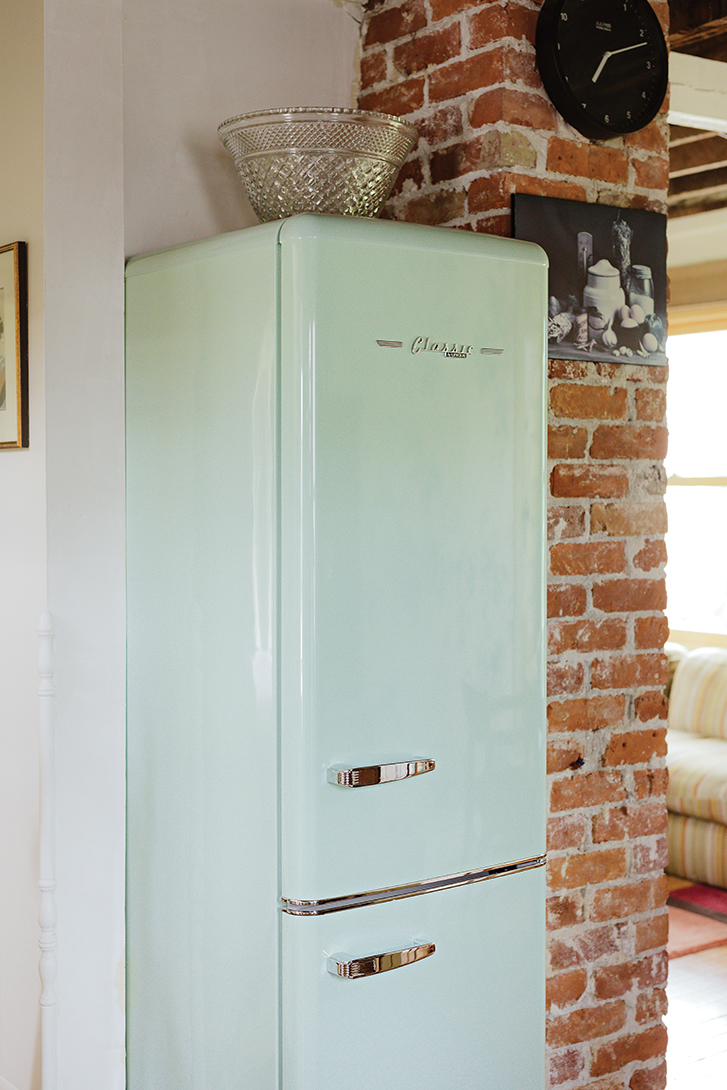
(464, 72)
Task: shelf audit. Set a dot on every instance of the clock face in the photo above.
(603, 63)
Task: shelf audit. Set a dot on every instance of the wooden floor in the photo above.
(697, 1021)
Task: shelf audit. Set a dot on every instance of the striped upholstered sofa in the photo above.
(697, 760)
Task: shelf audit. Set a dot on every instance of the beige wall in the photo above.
(22, 559)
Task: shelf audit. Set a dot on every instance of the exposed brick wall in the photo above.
(464, 72)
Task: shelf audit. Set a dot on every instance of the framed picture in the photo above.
(13, 346)
(606, 281)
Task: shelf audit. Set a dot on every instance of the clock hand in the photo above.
(598, 71)
(626, 48)
(612, 53)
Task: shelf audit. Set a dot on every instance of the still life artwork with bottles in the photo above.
(606, 279)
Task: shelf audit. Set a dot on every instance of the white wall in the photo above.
(134, 93)
(697, 238)
(189, 67)
(22, 558)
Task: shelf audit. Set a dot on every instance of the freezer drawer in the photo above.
(411, 554)
(469, 1013)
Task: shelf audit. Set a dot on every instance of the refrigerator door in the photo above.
(469, 1014)
(412, 544)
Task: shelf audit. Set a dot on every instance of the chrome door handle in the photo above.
(379, 963)
(372, 774)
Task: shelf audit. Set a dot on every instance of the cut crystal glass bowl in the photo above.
(336, 161)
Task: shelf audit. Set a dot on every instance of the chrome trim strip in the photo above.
(416, 889)
(391, 344)
(492, 351)
(369, 775)
(378, 963)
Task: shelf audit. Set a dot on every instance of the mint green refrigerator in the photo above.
(336, 724)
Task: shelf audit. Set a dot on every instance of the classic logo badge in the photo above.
(447, 348)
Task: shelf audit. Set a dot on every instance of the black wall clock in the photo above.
(604, 63)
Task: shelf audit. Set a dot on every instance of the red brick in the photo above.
(563, 755)
(652, 556)
(649, 1078)
(566, 600)
(488, 25)
(489, 151)
(564, 678)
(387, 26)
(587, 1024)
(567, 157)
(491, 23)
(515, 108)
(435, 209)
(488, 193)
(652, 173)
(442, 8)
(439, 126)
(566, 522)
(611, 981)
(586, 713)
(611, 1082)
(566, 442)
(597, 944)
(651, 405)
(587, 868)
(566, 831)
(634, 747)
(565, 1066)
(629, 595)
(629, 1049)
(402, 98)
(519, 67)
(582, 402)
(629, 899)
(651, 631)
(653, 856)
(411, 172)
(568, 369)
(586, 789)
(565, 910)
(628, 672)
(651, 1005)
(649, 139)
(629, 822)
(650, 706)
(373, 69)
(608, 164)
(602, 482)
(652, 932)
(587, 558)
(495, 223)
(586, 635)
(565, 989)
(629, 441)
(650, 782)
(462, 77)
(427, 49)
(624, 519)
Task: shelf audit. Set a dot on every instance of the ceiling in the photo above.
(698, 158)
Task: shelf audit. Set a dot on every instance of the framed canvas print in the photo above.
(13, 346)
(606, 278)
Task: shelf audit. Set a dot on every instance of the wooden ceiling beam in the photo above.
(689, 16)
(700, 155)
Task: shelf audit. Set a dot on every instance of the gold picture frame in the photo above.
(13, 346)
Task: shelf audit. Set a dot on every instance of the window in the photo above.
(697, 483)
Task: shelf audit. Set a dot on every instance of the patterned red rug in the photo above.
(697, 919)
